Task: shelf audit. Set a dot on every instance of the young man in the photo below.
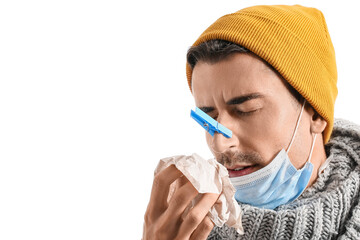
(268, 74)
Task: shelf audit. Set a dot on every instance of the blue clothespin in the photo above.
(209, 124)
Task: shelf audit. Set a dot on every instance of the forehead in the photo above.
(239, 74)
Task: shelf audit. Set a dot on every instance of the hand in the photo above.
(165, 220)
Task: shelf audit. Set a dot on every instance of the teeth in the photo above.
(238, 169)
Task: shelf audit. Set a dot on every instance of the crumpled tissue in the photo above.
(208, 176)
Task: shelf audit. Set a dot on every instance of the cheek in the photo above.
(260, 126)
(269, 124)
(264, 133)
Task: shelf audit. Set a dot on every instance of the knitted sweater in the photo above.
(329, 209)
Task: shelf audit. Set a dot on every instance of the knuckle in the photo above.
(161, 231)
(158, 180)
(162, 177)
(179, 199)
(208, 225)
(147, 219)
(193, 218)
(185, 194)
(159, 235)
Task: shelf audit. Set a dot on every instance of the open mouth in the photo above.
(241, 171)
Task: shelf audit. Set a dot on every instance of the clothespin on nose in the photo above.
(209, 124)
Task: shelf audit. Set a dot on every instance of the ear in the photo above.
(317, 122)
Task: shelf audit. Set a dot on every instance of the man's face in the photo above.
(246, 96)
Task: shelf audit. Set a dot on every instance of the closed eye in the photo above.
(241, 113)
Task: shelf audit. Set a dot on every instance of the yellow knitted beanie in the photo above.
(295, 41)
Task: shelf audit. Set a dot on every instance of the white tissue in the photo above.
(208, 176)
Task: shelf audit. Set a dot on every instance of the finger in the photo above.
(182, 181)
(171, 220)
(178, 183)
(197, 214)
(180, 201)
(160, 190)
(203, 230)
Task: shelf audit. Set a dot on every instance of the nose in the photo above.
(220, 143)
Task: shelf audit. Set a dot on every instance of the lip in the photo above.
(242, 172)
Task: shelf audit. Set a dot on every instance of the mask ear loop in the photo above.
(297, 126)
(312, 148)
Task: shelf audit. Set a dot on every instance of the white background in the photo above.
(94, 93)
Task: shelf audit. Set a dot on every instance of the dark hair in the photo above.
(216, 50)
(213, 51)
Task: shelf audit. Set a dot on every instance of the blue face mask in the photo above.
(277, 183)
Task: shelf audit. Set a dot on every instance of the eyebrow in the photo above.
(235, 101)
(244, 98)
